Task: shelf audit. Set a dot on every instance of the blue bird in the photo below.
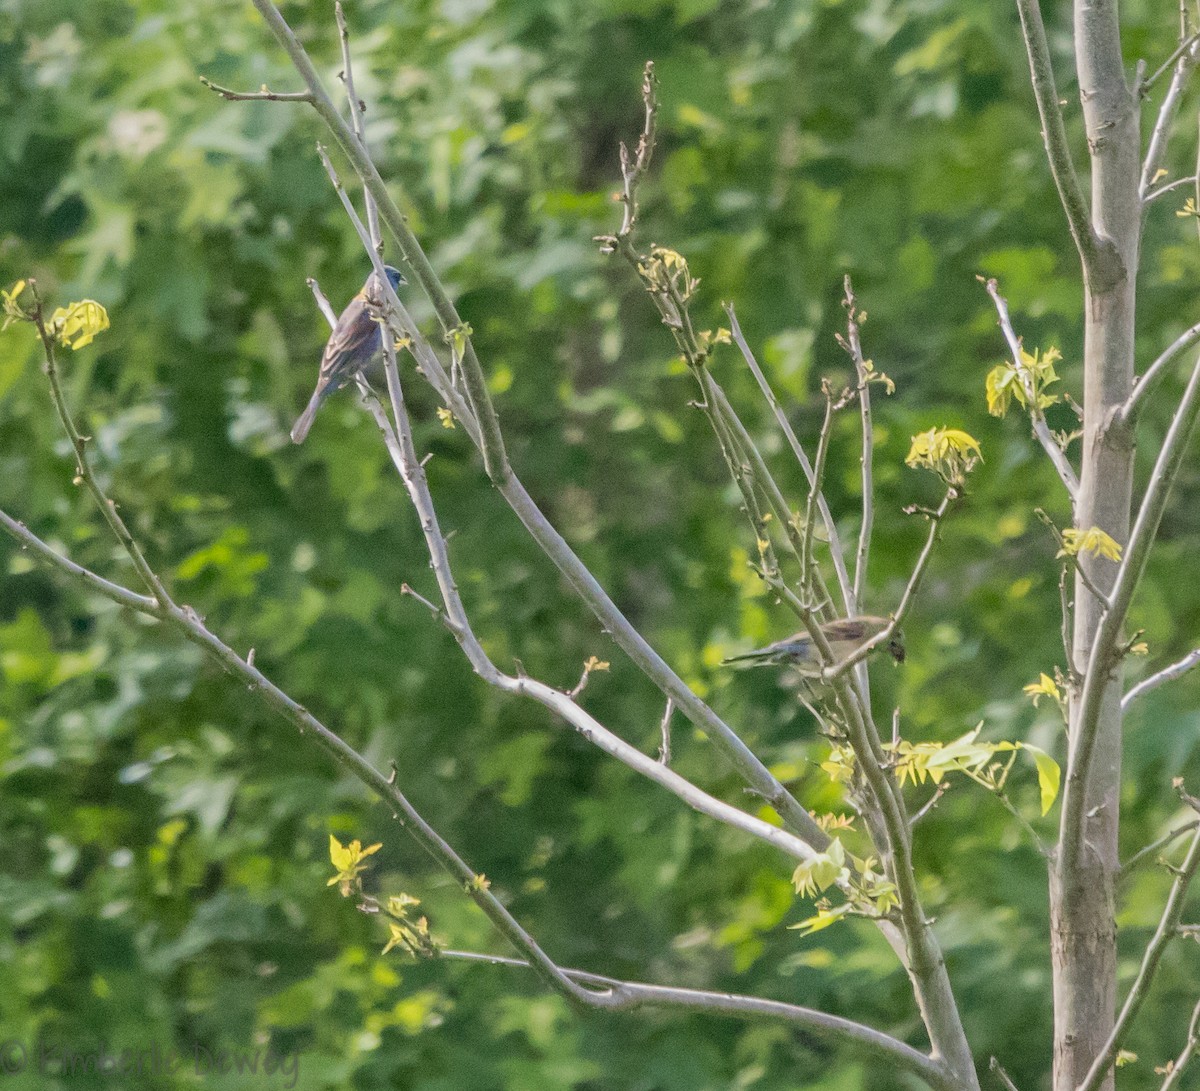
(844, 636)
(355, 339)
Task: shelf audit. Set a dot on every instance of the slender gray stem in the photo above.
(831, 531)
(1169, 187)
(1161, 70)
(1129, 574)
(488, 439)
(1165, 675)
(414, 259)
(1186, 1054)
(84, 577)
(1002, 1076)
(816, 488)
(866, 458)
(400, 446)
(356, 118)
(1058, 150)
(906, 599)
(83, 465)
(1155, 373)
(1150, 961)
(1161, 842)
(1184, 60)
(888, 1051)
(1037, 418)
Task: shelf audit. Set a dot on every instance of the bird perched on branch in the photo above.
(844, 635)
(355, 339)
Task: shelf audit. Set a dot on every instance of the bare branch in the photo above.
(1065, 604)
(1169, 187)
(910, 590)
(1154, 846)
(1186, 1054)
(323, 304)
(357, 106)
(1041, 429)
(1001, 1075)
(400, 446)
(1183, 47)
(816, 489)
(631, 994)
(835, 545)
(866, 458)
(931, 802)
(188, 624)
(84, 577)
(1100, 259)
(1155, 373)
(1154, 951)
(1175, 670)
(263, 94)
(632, 171)
(413, 259)
(83, 464)
(1104, 645)
(1184, 58)
(664, 729)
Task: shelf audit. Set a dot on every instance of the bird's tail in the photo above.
(754, 658)
(305, 421)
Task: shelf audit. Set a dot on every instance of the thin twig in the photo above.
(263, 94)
(1155, 373)
(931, 802)
(1184, 60)
(323, 304)
(633, 170)
(1186, 1054)
(1040, 428)
(1161, 70)
(83, 465)
(1001, 1075)
(835, 545)
(1168, 187)
(1165, 675)
(866, 458)
(1163, 935)
(887, 1050)
(761, 475)
(906, 599)
(356, 119)
(664, 730)
(1058, 151)
(85, 578)
(1144, 853)
(1071, 560)
(808, 562)
(1065, 604)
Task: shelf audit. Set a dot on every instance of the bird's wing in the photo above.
(852, 628)
(350, 342)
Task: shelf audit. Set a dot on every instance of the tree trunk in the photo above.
(1083, 941)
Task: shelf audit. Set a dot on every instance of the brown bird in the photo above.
(844, 635)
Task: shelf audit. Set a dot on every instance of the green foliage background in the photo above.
(163, 839)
